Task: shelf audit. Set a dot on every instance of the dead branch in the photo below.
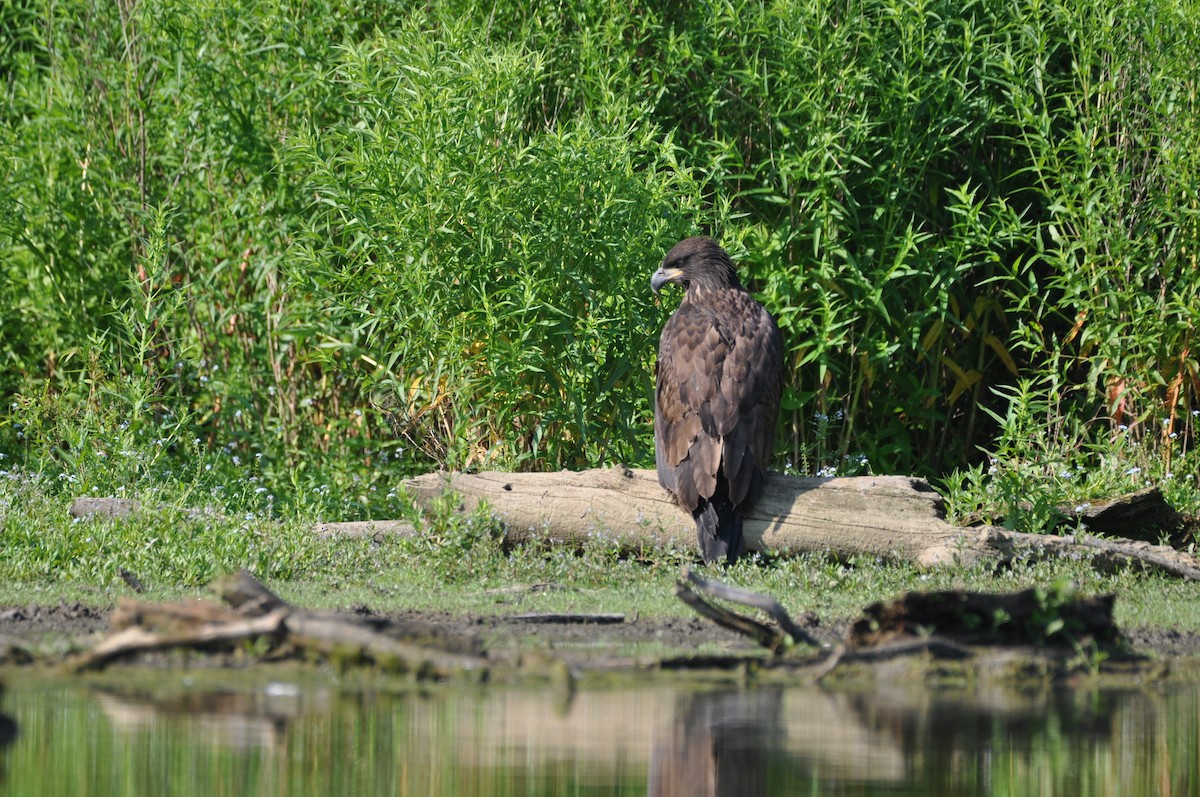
(580, 619)
(253, 611)
(1107, 554)
(753, 599)
(135, 639)
(769, 638)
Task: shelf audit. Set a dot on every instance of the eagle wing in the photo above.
(717, 399)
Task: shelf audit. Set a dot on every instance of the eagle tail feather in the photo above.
(719, 531)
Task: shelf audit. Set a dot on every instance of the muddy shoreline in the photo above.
(35, 634)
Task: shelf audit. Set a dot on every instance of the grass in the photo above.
(272, 269)
(457, 565)
(410, 238)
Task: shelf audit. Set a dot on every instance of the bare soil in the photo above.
(75, 626)
(68, 627)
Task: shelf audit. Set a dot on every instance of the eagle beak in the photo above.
(663, 276)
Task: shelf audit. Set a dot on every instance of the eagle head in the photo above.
(696, 261)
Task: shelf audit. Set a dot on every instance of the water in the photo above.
(311, 737)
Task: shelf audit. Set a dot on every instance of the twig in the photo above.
(593, 619)
(1153, 557)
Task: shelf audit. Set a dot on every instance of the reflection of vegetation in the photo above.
(305, 739)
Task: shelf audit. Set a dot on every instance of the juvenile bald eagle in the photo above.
(720, 363)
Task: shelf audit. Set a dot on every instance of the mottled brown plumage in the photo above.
(720, 363)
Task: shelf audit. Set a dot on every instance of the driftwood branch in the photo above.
(254, 612)
(136, 639)
(744, 597)
(948, 624)
(766, 636)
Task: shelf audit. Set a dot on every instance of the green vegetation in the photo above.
(270, 256)
(458, 564)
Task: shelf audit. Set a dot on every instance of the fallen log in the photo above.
(136, 639)
(895, 518)
(892, 517)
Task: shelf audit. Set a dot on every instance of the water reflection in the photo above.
(292, 738)
(240, 720)
(718, 744)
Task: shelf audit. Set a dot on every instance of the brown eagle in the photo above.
(720, 364)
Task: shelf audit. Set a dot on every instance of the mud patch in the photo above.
(634, 643)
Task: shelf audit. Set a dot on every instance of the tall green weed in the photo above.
(345, 242)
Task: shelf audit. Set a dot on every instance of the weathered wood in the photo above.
(764, 635)
(86, 506)
(136, 639)
(745, 597)
(254, 611)
(574, 618)
(324, 631)
(377, 530)
(892, 517)
(1115, 553)
(1143, 515)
